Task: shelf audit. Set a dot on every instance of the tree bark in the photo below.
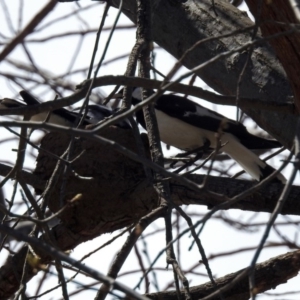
(268, 275)
(286, 47)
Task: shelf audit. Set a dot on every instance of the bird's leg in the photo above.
(190, 163)
(187, 153)
(199, 153)
(202, 149)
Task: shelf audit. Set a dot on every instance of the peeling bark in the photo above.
(286, 47)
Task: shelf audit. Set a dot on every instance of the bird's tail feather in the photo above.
(250, 162)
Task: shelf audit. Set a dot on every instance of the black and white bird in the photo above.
(187, 125)
(62, 116)
(98, 112)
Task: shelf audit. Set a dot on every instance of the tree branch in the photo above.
(28, 29)
(267, 275)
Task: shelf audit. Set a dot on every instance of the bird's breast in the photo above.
(180, 134)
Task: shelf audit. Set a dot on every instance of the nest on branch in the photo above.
(113, 188)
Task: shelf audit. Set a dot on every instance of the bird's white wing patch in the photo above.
(180, 134)
(137, 94)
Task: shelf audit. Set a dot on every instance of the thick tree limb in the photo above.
(269, 274)
(286, 107)
(91, 162)
(286, 47)
(262, 201)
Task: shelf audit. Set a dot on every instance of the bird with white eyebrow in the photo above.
(188, 126)
(95, 113)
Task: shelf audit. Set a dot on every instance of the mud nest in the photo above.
(113, 187)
